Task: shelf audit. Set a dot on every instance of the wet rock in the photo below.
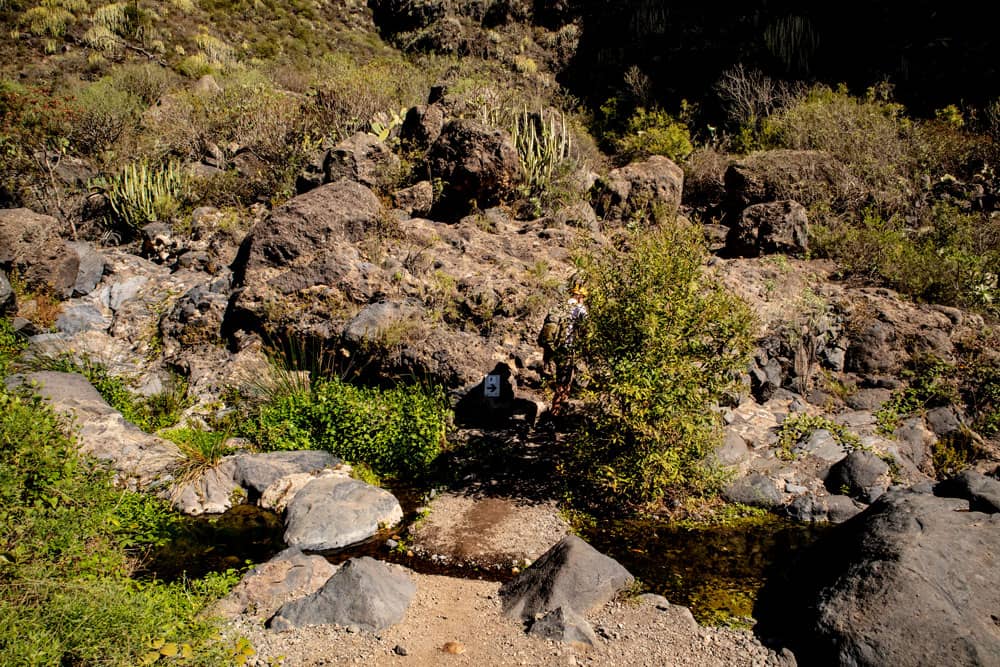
(572, 574)
(31, 245)
(291, 574)
(861, 475)
(639, 188)
(212, 491)
(138, 459)
(774, 227)
(564, 625)
(256, 472)
(908, 582)
(332, 512)
(363, 592)
(982, 492)
(476, 163)
(756, 490)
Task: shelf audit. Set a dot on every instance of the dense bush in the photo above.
(68, 540)
(661, 345)
(397, 431)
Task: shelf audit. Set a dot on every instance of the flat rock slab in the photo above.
(488, 531)
(138, 459)
(572, 574)
(334, 512)
(256, 472)
(364, 592)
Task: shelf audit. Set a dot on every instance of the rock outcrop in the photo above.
(335, 512)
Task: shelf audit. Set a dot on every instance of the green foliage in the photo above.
(106, 114)
(65, 541)
(397, 431)
(150, 413)
(930, 384)
(11, 345)
(661, 345)
(143, 193)
(954, 258)
(799, 427)
(954, 453)
(654, 132)
(544, 146)
(202, 449)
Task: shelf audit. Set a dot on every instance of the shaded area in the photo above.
(716, 571)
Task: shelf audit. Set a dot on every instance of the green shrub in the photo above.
(11, 345)
(799, 427)
(545, 149)
(144, 193)
(397, 431)
(661, 345)
(931, 383)
(654, 132)
(67, 542)
(106, 114)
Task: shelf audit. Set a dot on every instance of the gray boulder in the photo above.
(334, 512)
(364, 592)
(639, 188)
(363, 158)
(811, 508)
(138, 459)
(572, 574)
(861, 475)
(756, 490)
(911, 581)
(982, 492)
(780, 226)
(476, 163)
(77, 317)
(7, 298)
(564, 625)
(256, 472)
(290, 574)
(212, 491)
(416, 199)
(92, 264)
(30, 243)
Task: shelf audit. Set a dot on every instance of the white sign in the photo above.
(491, 386)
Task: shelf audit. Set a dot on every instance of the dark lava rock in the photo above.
(564, 625)
(364, 592)
(755, 489)
(780, 226)
(30, 243)
(910, 581)
(860, 474)
(982, 492)
(572, 574)
(476, 163)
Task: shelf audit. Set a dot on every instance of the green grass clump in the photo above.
(799, 427)
(68, 543)
(395, 432)
(661, 345)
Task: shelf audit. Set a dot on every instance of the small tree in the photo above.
(661, 345)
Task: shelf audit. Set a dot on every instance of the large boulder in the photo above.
(363, 158)
(780, 226)
(910, 581)
(982, 492)
(639, 188)
(334, 512)
(364, 592)
(475, 163)
(138, 459)
(291, 574)
(808, 177)
(30, 244)
(860, 474)
(572, 574)
(256, 472)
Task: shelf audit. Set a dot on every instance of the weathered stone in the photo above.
(943, 421)
(422, 125)
(79, 317)
(375, 321)
(861, 475)
(31, 245)
(780, 226)
(332, 512)
(822, 445)
(256, 472)
(475, 163)
(416, 199)
(756, 490)
(572, 574)
(91, 268)
(562, 624)
(362, 158)
(911, 581)
(138, 459)
(291, 574)
(364, 592)
(733, 451)
(808, 177)
(638, 188)
(7, 299)
(211, 492)
(982, 492)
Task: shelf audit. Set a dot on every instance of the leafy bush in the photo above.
(65, 540)
(661, 345)
(394, 431)
(106, 114)
(11, 345)
(799, 427)
(931, 384)
(654, 132)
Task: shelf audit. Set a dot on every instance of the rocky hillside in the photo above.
(283, 246)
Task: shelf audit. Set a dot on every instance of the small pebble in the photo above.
(399, 650)
(455, 648)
